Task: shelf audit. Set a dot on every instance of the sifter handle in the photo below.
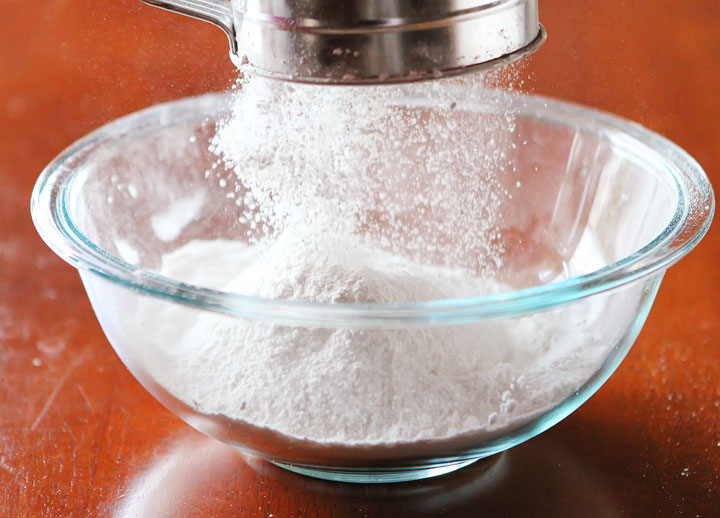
(217, 12)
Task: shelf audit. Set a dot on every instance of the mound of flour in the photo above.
(356, 386)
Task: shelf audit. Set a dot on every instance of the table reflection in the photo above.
(198, 476)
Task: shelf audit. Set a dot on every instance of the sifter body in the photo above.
(369, 41)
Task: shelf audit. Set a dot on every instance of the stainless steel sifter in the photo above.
(369, 41)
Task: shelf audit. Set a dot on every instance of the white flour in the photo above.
(357, 386)
(359, 195)
(372, 162)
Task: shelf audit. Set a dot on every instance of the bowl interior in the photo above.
(560, 196)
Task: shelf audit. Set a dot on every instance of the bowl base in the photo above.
(377, 475)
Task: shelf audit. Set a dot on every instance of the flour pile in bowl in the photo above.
(362, 195)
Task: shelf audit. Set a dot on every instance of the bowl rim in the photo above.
(689, 224)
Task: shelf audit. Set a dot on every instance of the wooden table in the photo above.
(80, 437)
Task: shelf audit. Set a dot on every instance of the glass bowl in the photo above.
(596, 209)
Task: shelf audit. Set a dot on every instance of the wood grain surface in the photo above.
(80, 437)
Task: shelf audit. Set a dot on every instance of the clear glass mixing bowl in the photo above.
(598, 209)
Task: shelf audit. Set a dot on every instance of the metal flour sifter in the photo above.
(369, 41)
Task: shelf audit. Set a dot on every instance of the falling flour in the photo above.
(349, 196)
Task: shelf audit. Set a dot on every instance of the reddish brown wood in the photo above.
(79, 436)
